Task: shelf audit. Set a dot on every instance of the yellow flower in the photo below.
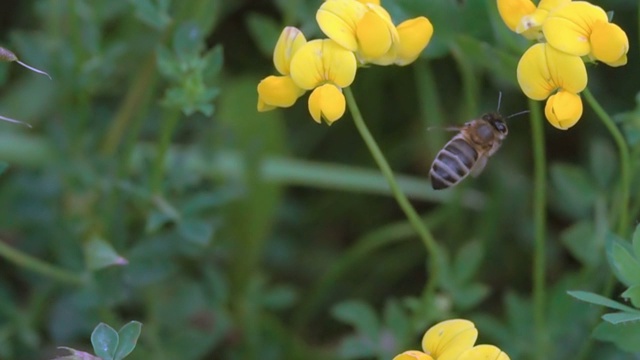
(543, 70)
(563, 110)
(524, 18)
(448, 339)
(453, 340)
(484, 352)
(325, 67)
(366, 28)
(414, 35)
(281, 91)
(581, 29)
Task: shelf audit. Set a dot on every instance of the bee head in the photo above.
(497, 121)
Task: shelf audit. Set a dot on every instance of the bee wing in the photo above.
(447, 128)
(479, 166)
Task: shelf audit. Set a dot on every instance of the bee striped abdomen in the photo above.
(453, 163)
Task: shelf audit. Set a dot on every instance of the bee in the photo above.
(467, 152)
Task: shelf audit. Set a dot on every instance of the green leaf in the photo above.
(603, 162)
(470, 295)
(358, 314)
(187, 40)
(600, 300)
(621, 317)
(153, 13)
(467, 261)
(624, 336)
(574, 194)
(633, 294)
(636, 241)
(100, 254)
(196, 231)
(622, 261)
(582, 242)
(128, 338)
(3, 166)
(105, 341)
(265, 32)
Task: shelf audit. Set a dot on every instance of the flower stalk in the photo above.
(625, 163)
(415, 220)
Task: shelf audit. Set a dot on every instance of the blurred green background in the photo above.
(265, 235)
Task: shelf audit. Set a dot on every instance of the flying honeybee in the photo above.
(467, 152)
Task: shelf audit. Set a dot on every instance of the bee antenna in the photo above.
(518, 113)
(499, 100)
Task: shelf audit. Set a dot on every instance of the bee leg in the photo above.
(479, 166)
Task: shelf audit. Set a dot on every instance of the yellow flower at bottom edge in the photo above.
(448, 339)
(563, 110)
(327, 67)
(484, 352)
(412, 355)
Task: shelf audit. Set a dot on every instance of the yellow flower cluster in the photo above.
(553, 69)
(453, 340)
(359, 33)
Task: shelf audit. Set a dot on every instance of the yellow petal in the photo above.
(326, 103)
(321, 61)
(338, 18)
(412, 355)
(609, 43)
(563, 110)
(414, 34)
(291, 39)
(543, 69)
(567, 71)
(375, 33)
(512, 11)
(448, 339)
(376, 2)
(568, 28)
(277, 91)
(484, 352)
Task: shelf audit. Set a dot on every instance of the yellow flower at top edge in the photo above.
(366, 28)
(524, 18)
(580, 28)
(325, 67)
(281, 91)
(543, 71)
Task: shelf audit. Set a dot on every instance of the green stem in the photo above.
(415, 220)
(625, 163)
(169, 123)
(30, 263)
(539, 219)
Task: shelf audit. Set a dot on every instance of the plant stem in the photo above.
(539, 219)
(625, 163)
(169, 123)
(415, 220)
(30, 263)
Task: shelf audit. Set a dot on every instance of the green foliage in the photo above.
(620, 328)
(149, 187)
